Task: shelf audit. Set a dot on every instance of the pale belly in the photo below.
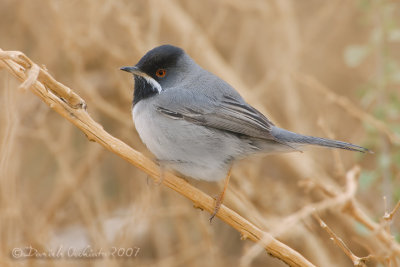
(190, 149)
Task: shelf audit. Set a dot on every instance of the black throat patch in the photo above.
(142, 90)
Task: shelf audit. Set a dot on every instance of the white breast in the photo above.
(192, 150)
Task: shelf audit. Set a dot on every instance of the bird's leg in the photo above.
(220, 197)
(162, 175)
(163, 168)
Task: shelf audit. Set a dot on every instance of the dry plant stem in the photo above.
(351, 207)
(72, 107)
(335, 199)
(346, 104)
(357, 261)
(389, 216)
(338, 199)
(355, 211)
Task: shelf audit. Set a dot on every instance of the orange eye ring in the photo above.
(161, 73)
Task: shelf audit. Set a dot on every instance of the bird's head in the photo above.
(159, 69)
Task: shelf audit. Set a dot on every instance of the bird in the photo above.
(198, 125)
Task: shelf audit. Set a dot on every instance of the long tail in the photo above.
(284, 136)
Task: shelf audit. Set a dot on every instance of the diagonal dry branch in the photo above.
(357, 261)
(346, 104)
(73, 108)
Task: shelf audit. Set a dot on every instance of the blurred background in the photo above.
(322, 68)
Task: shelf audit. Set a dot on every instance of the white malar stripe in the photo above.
(153, 83)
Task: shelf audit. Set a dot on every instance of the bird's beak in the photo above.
(134, 70)
(137, 72)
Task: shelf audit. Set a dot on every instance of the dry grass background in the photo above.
(287, 58)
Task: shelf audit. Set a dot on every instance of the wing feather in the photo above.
(228, 114)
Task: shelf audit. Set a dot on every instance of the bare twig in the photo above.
(357, 261)
(338, 199)
(346, 104)
(389, 216)
(72, 107)
(310, 184)
(353, 209)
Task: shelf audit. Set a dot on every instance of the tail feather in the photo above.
(287, 137)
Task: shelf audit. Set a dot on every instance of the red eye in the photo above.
(161, 73)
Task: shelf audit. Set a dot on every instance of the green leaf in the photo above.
(396, 158)
(384, 161)
(394, 35)
(397, 237)
(396, 195)
(361, 229)
(366, 179)
(355, 54)
(380, 112)
(364, 4)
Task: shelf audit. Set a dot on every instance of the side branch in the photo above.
(73, 108)
(357, 261)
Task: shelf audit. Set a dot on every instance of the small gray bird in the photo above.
(197, 124)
